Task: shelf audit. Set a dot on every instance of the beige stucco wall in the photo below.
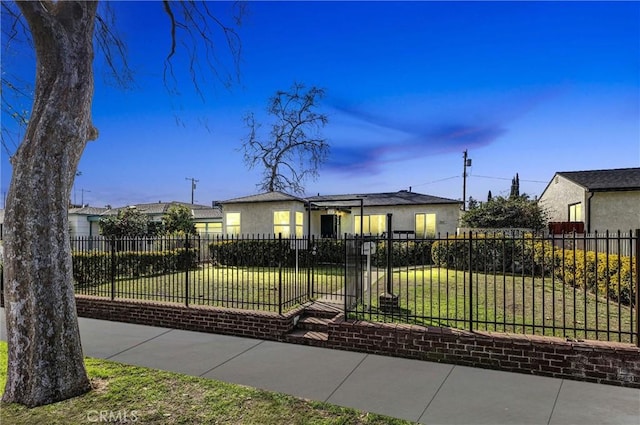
(559, 195)
(257, 218)
(615, 211)
(403, 217)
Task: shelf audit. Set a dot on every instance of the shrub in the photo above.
(275, 252)
(499, 213)
(91, 268)
(403, 253)
(328, 251)
(250, 253)
(95, 268)
(610, 275)
(495, 253)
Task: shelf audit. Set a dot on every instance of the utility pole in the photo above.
(193, 186)
(82, 191)
(467, 163)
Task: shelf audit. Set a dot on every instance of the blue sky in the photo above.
(526, 87)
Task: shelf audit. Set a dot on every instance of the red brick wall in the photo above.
(607, 363)
(253, 324)
(600, 362)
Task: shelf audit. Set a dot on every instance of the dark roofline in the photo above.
(570, 175)
(276, 195)
(373, 197)
(400, 198)
(574, 176)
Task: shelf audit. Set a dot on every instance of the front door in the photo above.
(329, 226)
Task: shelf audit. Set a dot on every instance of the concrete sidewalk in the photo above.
(425, 392)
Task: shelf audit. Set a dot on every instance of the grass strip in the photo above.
(132, 394)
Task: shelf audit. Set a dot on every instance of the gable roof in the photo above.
(156, 208)
(402, 197)
(207, 213)
(274, 196)
(88, 210)
(605, 180)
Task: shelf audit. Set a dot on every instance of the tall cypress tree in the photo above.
(515, 187)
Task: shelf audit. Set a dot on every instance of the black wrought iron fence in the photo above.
(249, 272)
(571, 286)
(525, 283)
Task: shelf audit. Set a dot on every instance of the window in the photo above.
(209, 228)
(373, 224)
(425, 225)
(233, 223)
(299, 224)
(282, 223)
(575, 212)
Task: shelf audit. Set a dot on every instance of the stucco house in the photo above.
(84, 221)
(595, 200)
(329, 216)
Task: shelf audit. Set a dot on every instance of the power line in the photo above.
(504, 178)
(437, 181)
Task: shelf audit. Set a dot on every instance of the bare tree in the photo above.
(45, 361)
(294, 149)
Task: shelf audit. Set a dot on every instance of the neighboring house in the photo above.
(596, 200)
(84, 221)
(275, 213)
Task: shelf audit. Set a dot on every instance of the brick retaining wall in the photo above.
(252, 324)
(593, 361)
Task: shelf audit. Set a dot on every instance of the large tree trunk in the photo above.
(45, 355)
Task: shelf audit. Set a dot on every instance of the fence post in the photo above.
(186, 269)
(310, 247)
(470, 281)
(346, 274)
(280, 273)
(113, 268)
(389, 254)
(637, 257)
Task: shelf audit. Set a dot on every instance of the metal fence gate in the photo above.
(353, 273)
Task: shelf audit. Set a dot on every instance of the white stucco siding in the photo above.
(557, 197)
(615, 211)
(404, 216)
(257, 218)
(79, 226)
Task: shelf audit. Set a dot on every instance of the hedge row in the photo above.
(273, 253)
(609, 276)
(93, 268)
(403, 253)
(252, 253)
(495, 254)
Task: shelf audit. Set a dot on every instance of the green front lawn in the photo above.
(503, 303)
(259, 288)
